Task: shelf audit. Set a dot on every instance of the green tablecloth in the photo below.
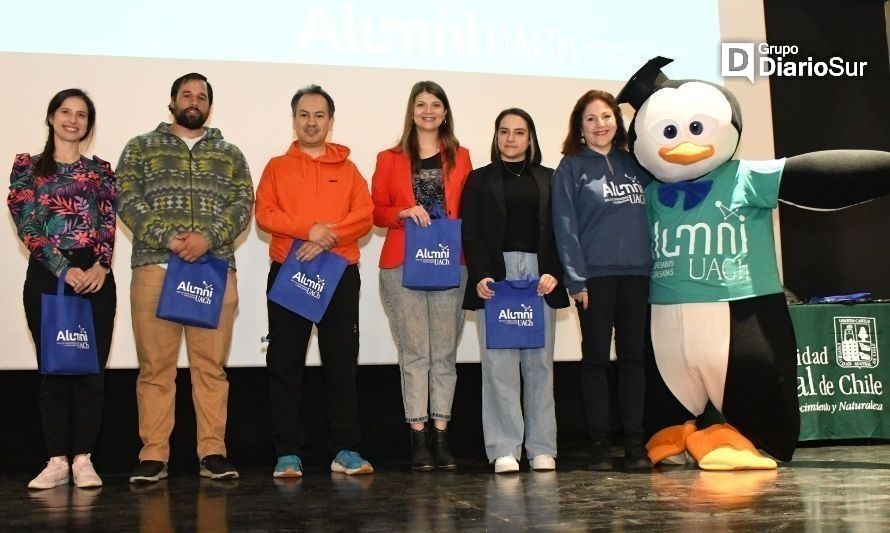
(840, 378)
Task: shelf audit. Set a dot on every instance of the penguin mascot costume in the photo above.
(721, 331)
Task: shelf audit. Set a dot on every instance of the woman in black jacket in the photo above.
(508, 234)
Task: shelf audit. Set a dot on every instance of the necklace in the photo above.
(517, 174)
(68, 163)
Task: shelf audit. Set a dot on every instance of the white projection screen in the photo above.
(486, 55)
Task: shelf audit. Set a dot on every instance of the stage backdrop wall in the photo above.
(487, 56)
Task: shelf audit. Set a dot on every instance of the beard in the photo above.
(191, 122)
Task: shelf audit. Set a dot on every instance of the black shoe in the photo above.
(421, 457)
(149, 472)
(216, 467)
(636, 457)
(444, 457)
(601, 457)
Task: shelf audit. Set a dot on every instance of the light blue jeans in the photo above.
(427, 327)
(503, 423)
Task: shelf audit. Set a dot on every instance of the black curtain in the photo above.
(843, 251)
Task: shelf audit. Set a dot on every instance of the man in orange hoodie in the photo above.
(316, 194)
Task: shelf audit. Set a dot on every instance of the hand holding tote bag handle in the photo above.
(432, 254)
(306, 287)
(67, 335)
(193, 293)
(514, 316)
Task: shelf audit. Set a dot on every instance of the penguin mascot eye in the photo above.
(702, 126)
(664, 131)
(682, 132)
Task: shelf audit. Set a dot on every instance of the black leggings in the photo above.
(619, 302)
(70, 406)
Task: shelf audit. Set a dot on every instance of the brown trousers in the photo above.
(157, 348)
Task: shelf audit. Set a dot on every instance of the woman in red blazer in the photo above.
(426, 168)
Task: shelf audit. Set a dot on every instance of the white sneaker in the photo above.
(506, 464)
(543, 462)
(55, 474)
(85, 476)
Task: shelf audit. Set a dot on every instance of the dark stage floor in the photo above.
(843, 488)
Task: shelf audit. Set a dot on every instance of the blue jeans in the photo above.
(503, 423)
(426, 326)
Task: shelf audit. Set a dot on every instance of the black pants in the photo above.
(71, 406)
(619, 302)
(338, 342)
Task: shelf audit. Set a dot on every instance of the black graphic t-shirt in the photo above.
(429, 184)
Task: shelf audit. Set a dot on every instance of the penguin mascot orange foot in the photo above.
(720, 330)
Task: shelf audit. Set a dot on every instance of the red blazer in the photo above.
(392, 191)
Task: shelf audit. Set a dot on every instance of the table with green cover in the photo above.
(841, 380)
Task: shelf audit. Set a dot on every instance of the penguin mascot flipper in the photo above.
(721, 331)
(835, 179)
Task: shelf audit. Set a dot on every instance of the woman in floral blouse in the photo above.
(63, 207)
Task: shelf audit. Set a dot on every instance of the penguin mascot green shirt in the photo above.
(721, 332)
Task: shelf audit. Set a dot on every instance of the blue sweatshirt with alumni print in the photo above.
(599, 216)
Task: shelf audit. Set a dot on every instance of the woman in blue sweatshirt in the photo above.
(599, 221)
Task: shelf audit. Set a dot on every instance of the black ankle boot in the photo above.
(601, 456)
(636, 457)
(421, 457)
(444, 458)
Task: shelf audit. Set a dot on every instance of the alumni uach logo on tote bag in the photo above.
(67, 338)
(306, 287)
(514, 316)
(432, 254)
(193, 293)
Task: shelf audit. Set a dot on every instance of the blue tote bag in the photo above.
(432, 254)
(514, 316)
(67, 335)
(193, 293)
(306, 287)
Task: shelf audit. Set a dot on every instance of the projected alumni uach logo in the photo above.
(492, 37)
(763, 59)
(495, 37)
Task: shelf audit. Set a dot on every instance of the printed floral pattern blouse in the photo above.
(73, 208)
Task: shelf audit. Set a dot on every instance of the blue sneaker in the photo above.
(288, 466)
(350, 463)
